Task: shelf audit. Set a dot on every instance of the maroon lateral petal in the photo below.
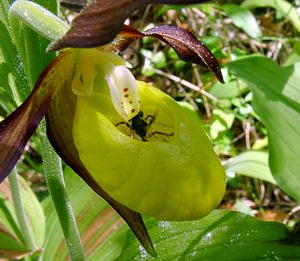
(18, 127)
(101, 21)
(125, 38)
(185, 44)
(187, 47)
(60, 133)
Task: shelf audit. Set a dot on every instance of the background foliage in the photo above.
(252, 121)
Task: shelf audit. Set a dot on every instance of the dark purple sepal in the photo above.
(101, 21)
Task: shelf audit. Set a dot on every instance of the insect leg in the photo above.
(123, 122)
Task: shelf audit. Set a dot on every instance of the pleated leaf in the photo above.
(252, 164)
(222, 235)
(11, 239)
(276, 96)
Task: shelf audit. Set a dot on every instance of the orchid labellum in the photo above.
(133, 144)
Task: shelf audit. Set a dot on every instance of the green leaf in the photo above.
(276, 96)
(243, 19)
(6, 94)
(4, 6)
(96, 221)
(31, 46)
(50, 5)
(260, 143)
(20, 89)
(252, 164)
(159, 60)
(228, 90)
(222, 235)
(282, 6)
(294, 56)
(10, 236)
(221, 122)
(34, 212)
(10, 247)
(8, 221)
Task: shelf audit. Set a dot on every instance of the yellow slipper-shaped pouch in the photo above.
(160, 163)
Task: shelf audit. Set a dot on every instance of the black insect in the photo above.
(140, 127)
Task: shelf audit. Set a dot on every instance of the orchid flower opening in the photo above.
(121, 82)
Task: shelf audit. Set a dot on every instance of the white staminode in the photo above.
(122, 84)
(123, 91)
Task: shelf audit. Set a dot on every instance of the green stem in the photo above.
(19, 209)
(57, 190)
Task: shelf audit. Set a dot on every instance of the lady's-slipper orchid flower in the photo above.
(141, 153)
(160, 163)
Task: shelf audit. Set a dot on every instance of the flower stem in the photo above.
(56, 186)
(19, 209)
(37, 18)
